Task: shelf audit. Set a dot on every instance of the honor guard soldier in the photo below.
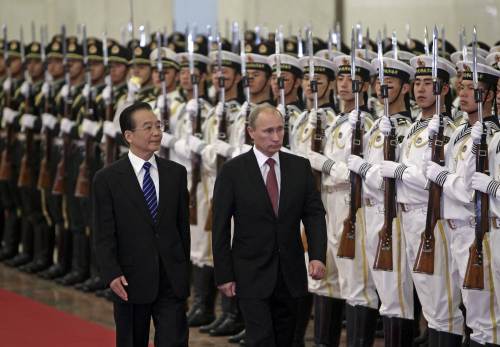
(459, 206)
(438, 293)
(191, 117)
(10, 162)
(378, 222)
(54, 103)
(140, 85)
(213, 150)
(38, 235)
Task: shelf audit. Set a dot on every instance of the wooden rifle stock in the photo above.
(165, 117)
(248, 139)
(111, 148)
(317, 146)
(222, 135)
(474, 274)
(44, 177)
(82, 188)
(25, 179)
(383, 257)
(59, 187)
(424, 262)
(347, 244)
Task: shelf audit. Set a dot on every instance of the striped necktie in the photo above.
(148, 188)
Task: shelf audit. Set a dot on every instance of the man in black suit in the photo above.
(267, 193)
(142, 239)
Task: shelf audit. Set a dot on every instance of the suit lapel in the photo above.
(283, 184)
(257, 180)
(131, 186)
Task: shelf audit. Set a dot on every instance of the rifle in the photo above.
(317, 138)
(44, 177)
(424, 262)
(347, 243)
(59, 186)
(474, 274)
(278, 40)
(246, 87)
(6, 160)
(164, 110)
(25, 179)
(82, 188)
(197, 131)
(222, 133)
(383, 257)
(111, 148)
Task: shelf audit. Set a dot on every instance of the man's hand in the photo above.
(228, 289)
(316, 269)
(118, 286)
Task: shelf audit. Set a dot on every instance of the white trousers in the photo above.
(395, 287)
(439, 293)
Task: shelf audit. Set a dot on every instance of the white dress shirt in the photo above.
(137, 165)
(264, 168)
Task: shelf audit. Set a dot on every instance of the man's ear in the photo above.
(128, 136)
(251, 132)
(406, 88)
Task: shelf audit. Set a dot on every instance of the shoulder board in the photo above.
(492, 126)
(343, 117)
(418, 125)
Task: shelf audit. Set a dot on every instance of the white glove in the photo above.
(25, 89)
(219, 109)
(433, 126)
(355, 162)
(436, 173)
(133, 87)
(223, 148)
(109, 129)
(484, 183)
(385, 126)
(192, 107)
(90, 127)
(9, 115)
(318, 161)
(86, 91)
(281, 109)
(7, 84)
(49, 121)
(28, 121)
(391, 169)
(195, 144)
(67, 125)
(313, 118)
(353, 118)
(45, 89)
(106, 94)
(168, 140)
(476, 132)
(64, 91)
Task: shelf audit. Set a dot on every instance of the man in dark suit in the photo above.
(142, 240)
(267, 193)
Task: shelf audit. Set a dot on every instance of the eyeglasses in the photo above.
(148, 127)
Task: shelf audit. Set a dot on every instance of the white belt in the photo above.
(372, 202)
(458, 223)
(337, 188)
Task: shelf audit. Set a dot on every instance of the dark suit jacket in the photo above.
(127, 240)
(262, 241)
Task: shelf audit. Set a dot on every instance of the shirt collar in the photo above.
(262, 158)
(138, 163)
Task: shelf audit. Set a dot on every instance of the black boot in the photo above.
(400, 332)
(327, 320)
(202, 312)
(238, 337)
(214, 324)
(11, 235)
(449, 340)
(94, 282)
(64, 254)
(304, 308)
(350, 317)
(432, 337)
(230, 326)
(365, 323)
(26, 254)
(43, 243)
(80, 263)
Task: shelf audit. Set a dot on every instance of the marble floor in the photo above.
(92, 308)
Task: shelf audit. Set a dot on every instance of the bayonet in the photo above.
(300, 45)
(355, 83)
(367, 43)
(131, 26)
(408, 35)
(426, 41)
(142, 36)
(443, 42)
(394, 46)
(235, 37)
(312, 81)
